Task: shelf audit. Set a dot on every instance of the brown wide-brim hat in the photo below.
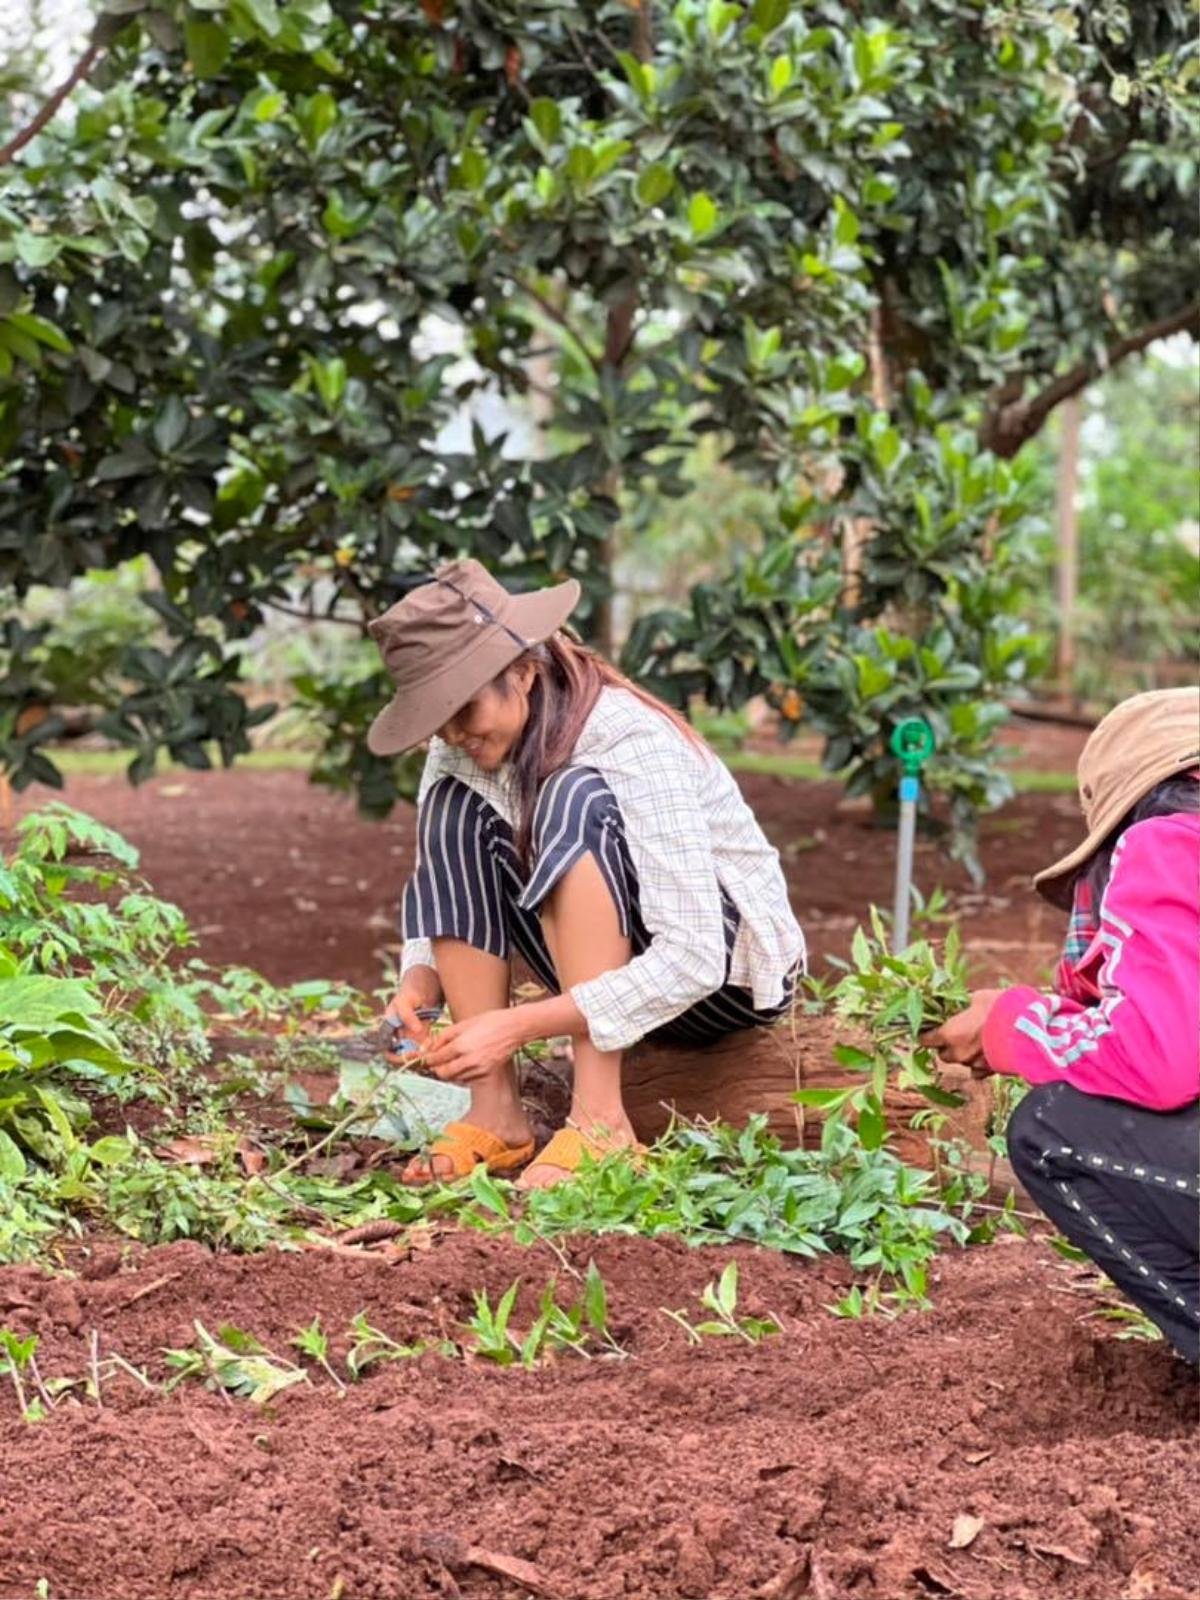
(450, 637)
(1138, 744)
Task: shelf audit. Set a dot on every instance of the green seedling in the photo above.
(233, 1362)
(721, 1299)
(555, 1328)
(18, 1362)
(493, 1339)
(313, 1342)
(573, 1327)
(370, 1346)
(895, 999)
(1132, 1323)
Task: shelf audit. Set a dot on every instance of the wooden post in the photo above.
(1067, 520)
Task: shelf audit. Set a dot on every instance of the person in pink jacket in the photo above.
(1107, 1141)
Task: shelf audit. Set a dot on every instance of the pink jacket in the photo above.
(1126, 1019)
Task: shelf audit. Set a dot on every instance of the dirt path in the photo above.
(838, 1459)
(288, 878)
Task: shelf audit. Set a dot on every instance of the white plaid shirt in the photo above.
(690, 834)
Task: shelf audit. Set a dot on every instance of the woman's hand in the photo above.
(419, 991)
(960, 1038)
(475, 1048)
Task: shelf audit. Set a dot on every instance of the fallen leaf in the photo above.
(189, 1149)
(965, 1531)
(974, 1457)
(252, 1158)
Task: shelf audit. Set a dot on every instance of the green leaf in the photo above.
(768, 14)
(546, 118)
(702, 214)
(262, 16)
(872, 1125)
(654, 184)
(822, 1098)
(36, 1000)
(472, 169)
(12, 1162)
(110, 1151)
(41, 330)
(170, 425)
(316, 115)
(207, 45)
(781, 74)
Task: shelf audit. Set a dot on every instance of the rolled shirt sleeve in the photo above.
(654, 781)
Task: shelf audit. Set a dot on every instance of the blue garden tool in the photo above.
(912, 741)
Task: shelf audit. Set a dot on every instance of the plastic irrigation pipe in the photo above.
(912, 741)
(910, 793)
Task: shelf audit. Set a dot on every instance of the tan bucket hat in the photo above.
(443, 642)
(1137, 745)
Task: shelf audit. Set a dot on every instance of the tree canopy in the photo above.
(869, 246)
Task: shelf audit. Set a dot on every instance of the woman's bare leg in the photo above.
(584, 935)
(473, 982)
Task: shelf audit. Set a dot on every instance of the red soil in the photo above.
(832, 1460)
(283, 876)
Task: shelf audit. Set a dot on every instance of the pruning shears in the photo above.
(398, 1043)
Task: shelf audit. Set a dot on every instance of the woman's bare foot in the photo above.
(609, 1135)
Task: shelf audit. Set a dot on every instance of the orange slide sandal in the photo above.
(465, 1146)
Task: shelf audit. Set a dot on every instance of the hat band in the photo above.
(488, 613)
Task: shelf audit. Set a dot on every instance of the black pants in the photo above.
(470, 884)
(1124, 1185)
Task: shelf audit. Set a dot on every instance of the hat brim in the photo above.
(1057, 883)
(414, 715)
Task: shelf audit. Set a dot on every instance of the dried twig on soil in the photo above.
(94, 1362)
(148, 1289)
(372, 1232)
(790, 1584)
(452, 1551)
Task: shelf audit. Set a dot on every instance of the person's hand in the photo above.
(960, 1038)
(419, 991)
(475, 1048)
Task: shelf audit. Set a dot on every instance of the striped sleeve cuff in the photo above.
(1000, 1030)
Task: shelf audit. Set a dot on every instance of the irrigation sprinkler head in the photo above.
(913, 742)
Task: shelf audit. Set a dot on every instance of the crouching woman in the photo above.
(569, 816)
(1107, 1141)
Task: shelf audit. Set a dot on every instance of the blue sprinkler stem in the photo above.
(910, 793)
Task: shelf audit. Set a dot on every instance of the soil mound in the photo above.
(996, 1448)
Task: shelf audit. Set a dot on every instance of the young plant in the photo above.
(370, 1346)
(493, 1339)
(555, 1328)
(16, 1362)
(721, 1299)
(234, 1362)
(572, 1327)
(313, 1342)
(895, 999)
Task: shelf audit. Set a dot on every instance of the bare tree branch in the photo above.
(556, 314)
(78, 73)
(1013, 420)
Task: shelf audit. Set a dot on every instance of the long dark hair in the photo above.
(1181, 792)
(568, 680)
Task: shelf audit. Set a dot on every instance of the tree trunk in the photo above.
(759, 1071)
(1067, 518)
